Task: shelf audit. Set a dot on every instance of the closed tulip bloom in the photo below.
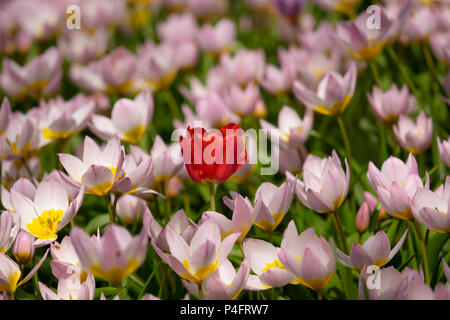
(205, 252)
(70, 288)
(333, 95)
(269, 270)
(272, 203)
(218, 38)
(440, 44)
(396, 184)
(431, 209)
(41, 77)
(23, 249)
(325, 183)
(118, 69)
(65, 260)
(10, 273)
(241, 221)
(292, 130)
(224, 284)
(371, 201)
(444, 151)
(129, 119)
(290, 8)
(212, 157)
(49, 211)
(415, 136)
(375, 251)
(9, 228)
(130, 208)
(362, 218)
(307, 257)
(99, 169)
(389, 105)
(112, 257)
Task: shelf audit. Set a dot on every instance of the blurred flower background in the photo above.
(98, 204)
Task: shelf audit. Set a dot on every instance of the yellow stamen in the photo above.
(44, 226)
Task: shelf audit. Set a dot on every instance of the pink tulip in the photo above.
(343, 6)
(242, 220)
(242, 101)
(9, 228)
(5, 115)
(269, 270)
(179, 222)
(293, 130)
(178, 28)
(201, 256)
(396, 184)
(23, 249)
(246, 66)
(375, 251)
(70, 288)
(213, 110)
(63, 119)
(307, 257)
(362, 218)
(129, 119)
(14, 170)
(431, 209)
(100, 169)
(49, 211)
(130, 208)
(224, 284)
(162, 157)
(325, 183)
(10, 273)
(444, 151)
(112, 257)
(420, 25)
(217, 39)
(333, 95)
(389, 105)
(41, 77)
(23, 186)
(207, 8)
(415, 136)
(371, 201)
(272, 204)
(82, 47)
(439, 43)
(65, 260)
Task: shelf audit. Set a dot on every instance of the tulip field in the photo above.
(225, 150)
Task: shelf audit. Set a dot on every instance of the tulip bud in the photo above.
(173, 187)
(260, 110)
(23, 248)
(371, 201)
(363, 218)
(130, 208)
(382, 215)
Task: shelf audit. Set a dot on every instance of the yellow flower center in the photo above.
(135, 135)
(274, 264)
(44, 227)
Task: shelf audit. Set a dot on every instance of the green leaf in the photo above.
(97, 222)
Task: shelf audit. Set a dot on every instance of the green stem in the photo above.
(163, 281)
(166, 201)
(402, 71)
(345, 137)
(319, 295)
(376, 76)
(200, 292)
(340, 231)
(187, 201)
(424, 253)
(111, 211)
(212, 199)
(270, 236)
(148, 282)
(432, 68)
(172, 103)
(241, 247)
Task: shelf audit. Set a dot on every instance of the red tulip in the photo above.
(212, 157)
